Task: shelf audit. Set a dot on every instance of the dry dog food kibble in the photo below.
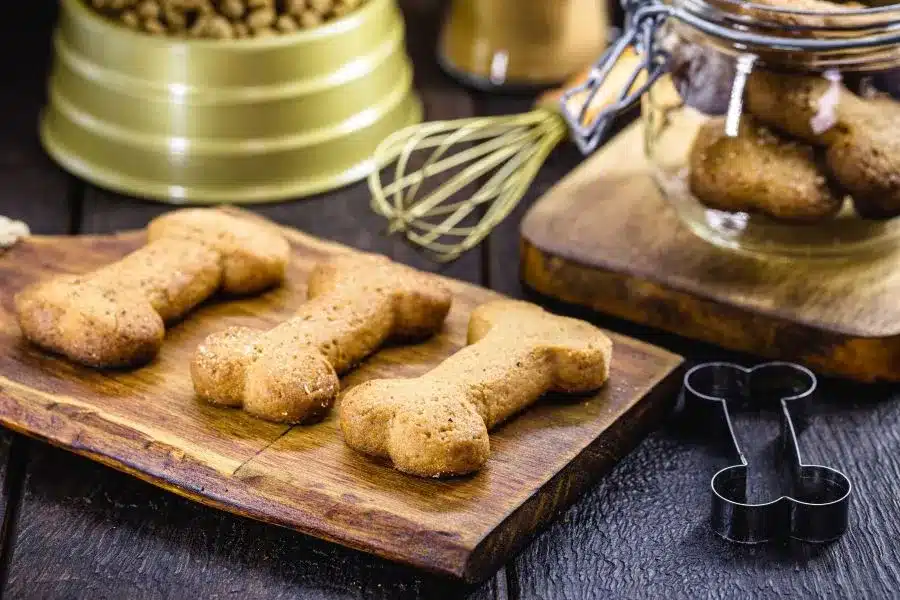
(222, 19)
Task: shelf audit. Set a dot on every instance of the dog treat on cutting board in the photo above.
(290, 373)
(437, 425)
(116, 316)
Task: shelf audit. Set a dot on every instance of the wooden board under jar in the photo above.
(148, 423)
(605, 238)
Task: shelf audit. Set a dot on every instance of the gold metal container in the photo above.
(522, 43)
(239, 121)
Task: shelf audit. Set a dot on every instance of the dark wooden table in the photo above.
(74, 529)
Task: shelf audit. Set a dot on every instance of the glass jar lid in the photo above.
(811, 39)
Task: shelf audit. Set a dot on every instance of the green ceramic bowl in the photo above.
(237, 121)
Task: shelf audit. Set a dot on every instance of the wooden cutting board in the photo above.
(605, 238)
(148, 423)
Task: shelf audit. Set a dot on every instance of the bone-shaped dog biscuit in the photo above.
(290, 373)
(437, 424)
(116, 316)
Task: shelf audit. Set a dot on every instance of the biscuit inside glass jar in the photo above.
(782, 150)
(222, 19)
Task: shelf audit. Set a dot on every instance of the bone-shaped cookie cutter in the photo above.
(816, 509)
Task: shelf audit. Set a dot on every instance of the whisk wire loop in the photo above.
(496, 155)
(494, 142)
(495, 186)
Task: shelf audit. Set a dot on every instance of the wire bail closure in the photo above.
(643, 20)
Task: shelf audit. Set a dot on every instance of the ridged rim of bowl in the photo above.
(332, 28)
(231, 146)
(128, 84)
(257, 194)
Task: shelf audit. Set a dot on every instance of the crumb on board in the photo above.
(11, 231)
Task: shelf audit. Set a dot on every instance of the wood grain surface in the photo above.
(31, 189)
(147, 422)
(127, 546)
(156, 545)
(605, 238)
(643, 532)
(83, 530)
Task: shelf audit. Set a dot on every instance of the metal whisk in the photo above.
(480, 168)
(508, 152)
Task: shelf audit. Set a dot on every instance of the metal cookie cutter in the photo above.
(816, 505)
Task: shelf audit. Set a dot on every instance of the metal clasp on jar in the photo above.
(643, 22)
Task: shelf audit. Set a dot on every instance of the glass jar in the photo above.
(776, 130)
(494, 44)
(780, 151)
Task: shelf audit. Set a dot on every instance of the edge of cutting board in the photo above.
(146, 423)
(604, 238)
